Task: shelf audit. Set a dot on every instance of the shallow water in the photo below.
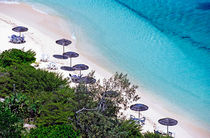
(163, 45)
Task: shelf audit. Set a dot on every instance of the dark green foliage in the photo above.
(20, 105)
(10, 124)
(4, 80)
(56, 107)
(55, 131)
(30, 80)
(16, 56)
(153, 135)
(47, 98)
(94, 124)
(84, 98)
(130, 129)
(104, 123)
(126, 93)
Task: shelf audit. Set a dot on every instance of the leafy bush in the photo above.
(46, 96)
(20, 105)
(10, 124)
(129, 128)
(16, 56)
(126, 93)
(55, 131)
(84, 98)
(56, 107)
(94, 124)
(30, 80)
(4, 78)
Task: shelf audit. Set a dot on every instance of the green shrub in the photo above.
(16, 56)
(125, 93)
(55, 131)
(53, 104)
(20, 105)
(10, 124)
(4, 78)
(130, 129)
(30, 80)
(56, 107)
(94, 124)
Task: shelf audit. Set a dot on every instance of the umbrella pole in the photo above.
(19, 33)
(63, 50)
(167, 129)
(70, 62)
(139, 114)
(80, 72)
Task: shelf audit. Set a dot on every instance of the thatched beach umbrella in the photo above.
(71, 55)
(67, 68)
(20, 29)
(168, 122)
(80, 67)
(63, 42)
(110, 94)
(60, 56)
(85, 80)
(88, 80)
(139, 107)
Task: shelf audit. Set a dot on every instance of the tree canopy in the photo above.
(16, 56)
(54, 131)
(10, 123)
(58, 110)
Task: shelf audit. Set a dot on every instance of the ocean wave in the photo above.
(9, 1)
(204, 6)
(176, 18)
(39, 10)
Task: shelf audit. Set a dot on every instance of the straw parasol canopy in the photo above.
(67, 68)
(80, 67)
(60, 56)
(63, 42)
(110, 94)
(168, 122)
(71, 55)
(20, 29)
(88, 80)
(139, 107)
(85, 80)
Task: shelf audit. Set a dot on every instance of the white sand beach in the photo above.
(44, 29)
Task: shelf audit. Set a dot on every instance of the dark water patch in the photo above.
(199, 45)
(175, 21)
(204, 6)
(142, 16)
(205, 48)
(133, 10)
(184, 37)
(168, 32)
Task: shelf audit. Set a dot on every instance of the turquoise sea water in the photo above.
(164, 45)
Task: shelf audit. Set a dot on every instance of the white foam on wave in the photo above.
(73, 36)
(43, 9)
(38, 10)
(9, 2)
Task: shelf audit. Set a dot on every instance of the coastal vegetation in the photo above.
(16, 56)
(46, 100)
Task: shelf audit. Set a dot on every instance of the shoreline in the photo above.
(39, 30)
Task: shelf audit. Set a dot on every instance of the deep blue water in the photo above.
(162, 44)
